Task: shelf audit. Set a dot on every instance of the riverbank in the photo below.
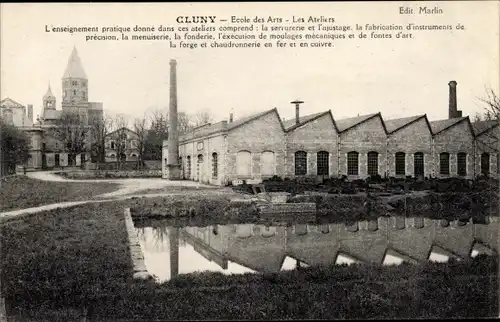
(58, 264)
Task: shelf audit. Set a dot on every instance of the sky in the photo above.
(398, 78)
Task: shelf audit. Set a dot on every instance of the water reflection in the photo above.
(238, 249)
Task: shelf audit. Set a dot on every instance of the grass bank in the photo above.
(21, 192)
(56, 263)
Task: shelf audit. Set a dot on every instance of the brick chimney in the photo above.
(297, 112)
(30, 112)
(453, 112)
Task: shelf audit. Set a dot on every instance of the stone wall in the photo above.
(313, 137)
(415, 137)
(260, 135)
(110, 174)
(363, 138)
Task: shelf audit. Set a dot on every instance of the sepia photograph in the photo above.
(249, 161)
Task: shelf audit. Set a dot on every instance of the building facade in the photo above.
(46, 149)
(319, 146)
(122, 144)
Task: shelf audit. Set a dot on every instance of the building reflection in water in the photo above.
(247, 248)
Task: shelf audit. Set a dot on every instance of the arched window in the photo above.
(188, 167)
(134, 155)
(199, 164)
(267, 165)
(400, 160)
(372, 163)
(353, 163)
(485, 164)
(323, 164)
(444, 163)
(112, 156)
(462, 164)
(214, 165)
(418, 164)
(300, 163)
(244, 163)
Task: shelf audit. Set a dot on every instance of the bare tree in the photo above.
(101, 128)
(488, 124)
(73, 132)
(184, 123)
(202, 117)
(119, 137)
(141, 130)
(492, 102)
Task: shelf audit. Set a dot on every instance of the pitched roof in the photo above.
(74, 68)
(223, 126)
(10, 103)
(396, 124)
(122, 128)
(244, 120)
(441, 125)
(345, 124)
(48, 93)
(292, 124)
(483, 126)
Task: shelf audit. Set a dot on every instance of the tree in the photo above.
(73, 132)
(119, 137)
(101, 128)
(13, 148)
(488, 140)
(202, 117)
(141, 130)
(157, 133)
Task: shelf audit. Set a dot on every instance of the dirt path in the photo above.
(129, 188)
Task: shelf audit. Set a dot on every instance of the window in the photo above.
(462, 164)
(214, 165)
(84, 95)
(267, 165)
(243, 163)
(199, 164)
(485, 164)
(353, 163)
(444, 163)
(418, 164)
(188, 167)
(300, 163)
(74, 83)
(372, 163)
(323, 159)
(400, 163)
(113, 145)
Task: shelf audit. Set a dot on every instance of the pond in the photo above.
(253, 248)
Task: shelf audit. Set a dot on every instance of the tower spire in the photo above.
(74, 69)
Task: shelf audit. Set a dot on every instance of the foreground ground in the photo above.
(58, 264)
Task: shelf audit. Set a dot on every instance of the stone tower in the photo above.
(49, 100)
(74, 82)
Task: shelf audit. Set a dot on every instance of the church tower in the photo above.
(49, 100)
(74, 82)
